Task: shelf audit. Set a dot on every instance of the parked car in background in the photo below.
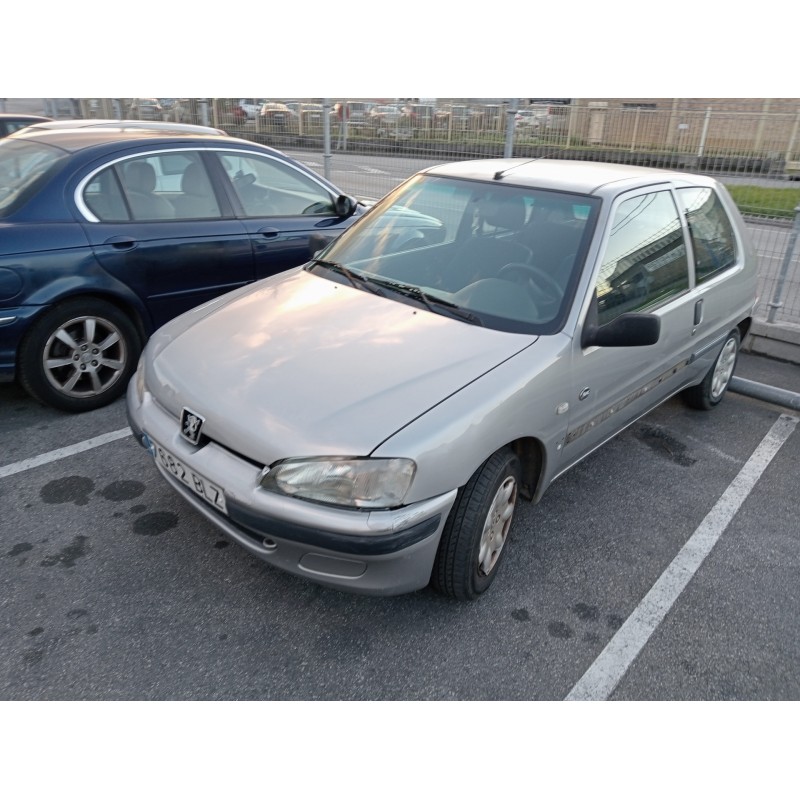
(388, 121)
(419, 115)
(373, 418)
(107, 233)
(148, 108)
(9, 123)
(454, 117)
(527, 118)
(251, 106)
(278, 118)
(385, 114)
(356, 112)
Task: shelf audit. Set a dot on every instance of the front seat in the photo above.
(493, 243)
(140, 184)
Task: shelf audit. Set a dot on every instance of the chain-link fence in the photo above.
(752, 146)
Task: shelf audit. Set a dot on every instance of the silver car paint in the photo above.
(310, 384)
(559, 398)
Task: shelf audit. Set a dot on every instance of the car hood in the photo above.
(299, 365)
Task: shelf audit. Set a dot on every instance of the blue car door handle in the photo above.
(121, 242)
(269, 233)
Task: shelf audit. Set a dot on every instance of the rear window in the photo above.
(24, 167)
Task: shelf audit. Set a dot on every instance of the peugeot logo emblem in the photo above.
(191, 424)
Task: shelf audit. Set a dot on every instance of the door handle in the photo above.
(269, 233)
(121, 242)
(698, 312)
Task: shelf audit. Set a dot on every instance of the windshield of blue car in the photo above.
(24, 166)
(509, 256)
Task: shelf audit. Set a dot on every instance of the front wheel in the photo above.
(708, 393)
(79, 355)
(475, 534)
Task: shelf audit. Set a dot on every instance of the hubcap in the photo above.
(84, 357)
(497, 525)
(723, 368)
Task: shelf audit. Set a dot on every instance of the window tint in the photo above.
(164, 186)
(104, 197)
(645, 261)
(24, 168)
(712, 236)
(267, 187)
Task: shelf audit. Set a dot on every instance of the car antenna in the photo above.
(503, 172)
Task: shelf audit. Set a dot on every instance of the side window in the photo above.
(645, 261)
(712, 236)
(103, 197)
(187, 186)
(142, 181)
(268, 187)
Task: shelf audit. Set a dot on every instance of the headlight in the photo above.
(355, 482)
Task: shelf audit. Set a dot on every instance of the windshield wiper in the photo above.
(435, 305)
(358, 281)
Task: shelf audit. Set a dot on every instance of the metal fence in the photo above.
(752, 146)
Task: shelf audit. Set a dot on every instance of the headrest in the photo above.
(194, 180)
(504, 210)
(140, 177)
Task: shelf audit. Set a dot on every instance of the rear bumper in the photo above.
(367, 552)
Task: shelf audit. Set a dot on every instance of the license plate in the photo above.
(188, 477)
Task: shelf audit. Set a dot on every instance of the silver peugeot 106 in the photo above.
(371, 419)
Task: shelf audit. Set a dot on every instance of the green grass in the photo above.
(770, 201)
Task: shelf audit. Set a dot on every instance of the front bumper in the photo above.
(368, 552)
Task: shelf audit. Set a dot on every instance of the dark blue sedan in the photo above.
(106, 234)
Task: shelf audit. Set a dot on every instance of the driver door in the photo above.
(280, 207)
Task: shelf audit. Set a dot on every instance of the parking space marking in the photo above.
(63, 452)
(608, 669)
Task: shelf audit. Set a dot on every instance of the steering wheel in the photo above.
(541, 286)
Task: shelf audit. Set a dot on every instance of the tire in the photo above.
(79, 355)
(476, 532)
(710, 392)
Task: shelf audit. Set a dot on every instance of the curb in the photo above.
(770, 394)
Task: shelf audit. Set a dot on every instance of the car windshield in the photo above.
(505, 257)
(23, 167)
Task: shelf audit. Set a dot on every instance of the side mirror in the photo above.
(345, 206)
(627, 330)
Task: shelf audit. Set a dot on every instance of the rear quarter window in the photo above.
(713, 240)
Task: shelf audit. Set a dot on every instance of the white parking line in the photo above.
(63, 452)
(603, 676)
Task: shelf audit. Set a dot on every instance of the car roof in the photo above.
(584, 177)
(76, 139)
(67, 124)
(33, 117)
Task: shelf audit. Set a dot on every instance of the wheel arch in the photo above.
(120, 303)
(531, 454)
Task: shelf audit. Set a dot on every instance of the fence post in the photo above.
(704, 134)
(635, 129)
(777, 299)
(326, 139)
(511, 113)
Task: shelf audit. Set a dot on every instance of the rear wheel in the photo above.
(79, 355)
(475, 534)
(708, 393)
